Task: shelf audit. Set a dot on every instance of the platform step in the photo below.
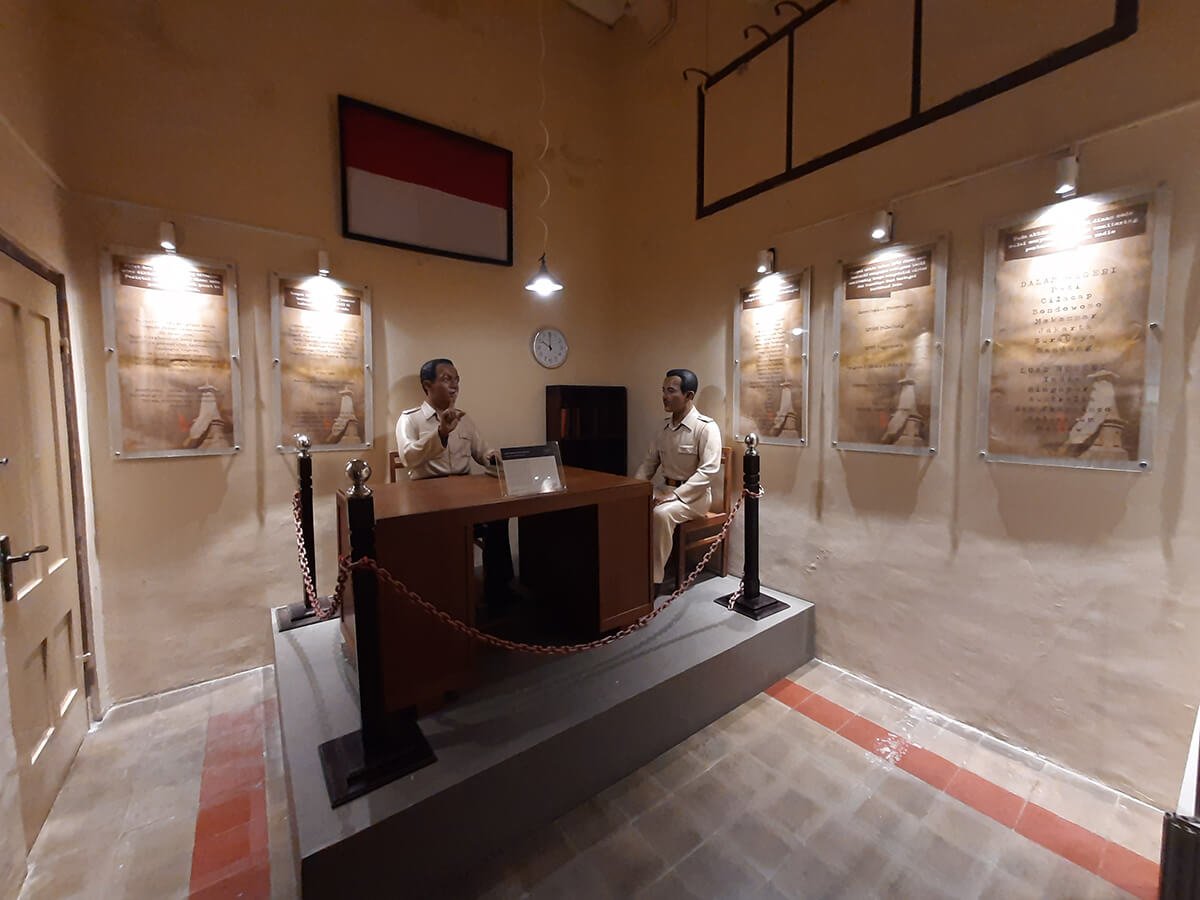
(523, 750)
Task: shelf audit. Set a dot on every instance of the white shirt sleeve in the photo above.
(415, 449)
(649, 466)
(709, 449)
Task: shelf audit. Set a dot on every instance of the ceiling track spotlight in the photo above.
(766, 261)
(881, 227)
(1066, 179)
(166, 237)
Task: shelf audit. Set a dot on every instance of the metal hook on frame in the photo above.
(749, 28)
(796, 6)
(707, 76)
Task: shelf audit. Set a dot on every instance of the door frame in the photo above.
(83, 568)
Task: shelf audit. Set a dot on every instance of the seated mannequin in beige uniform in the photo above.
(435, 440)
(688, 450)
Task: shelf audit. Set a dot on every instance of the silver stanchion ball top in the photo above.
(752, 444)
(358, 471)
(302, 444)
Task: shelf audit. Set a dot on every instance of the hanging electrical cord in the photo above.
(545, 131)
(543, 283)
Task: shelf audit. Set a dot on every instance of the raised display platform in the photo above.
(521, 751)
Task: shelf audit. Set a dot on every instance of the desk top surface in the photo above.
(465, 492)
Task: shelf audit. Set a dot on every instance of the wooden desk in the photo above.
(588, 546)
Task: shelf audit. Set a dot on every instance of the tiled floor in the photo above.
(174, 796)
(825, 786)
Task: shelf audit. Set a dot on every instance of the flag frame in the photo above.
(503, 155)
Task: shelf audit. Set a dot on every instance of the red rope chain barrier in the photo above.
(345, 567)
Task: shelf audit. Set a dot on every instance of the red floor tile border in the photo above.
(1061, 836)
(230, 855)
(988, 798)
(789, 692)
(936, 771)
(868, 735)
(1129, 871)
(1114, 863)
(825, 712)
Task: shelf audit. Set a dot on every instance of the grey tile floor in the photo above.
(827, 822)
(764, 803)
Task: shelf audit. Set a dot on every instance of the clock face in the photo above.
(549, 347)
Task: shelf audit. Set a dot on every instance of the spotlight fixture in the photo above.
(1067, 176)
(766, 261)
(543, 283)
(166, 236)
(881, 227)
(323, 263)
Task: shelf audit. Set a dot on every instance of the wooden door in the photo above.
(41, 614)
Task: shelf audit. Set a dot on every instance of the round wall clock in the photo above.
(549, 346)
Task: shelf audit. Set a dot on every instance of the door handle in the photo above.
(7, 558)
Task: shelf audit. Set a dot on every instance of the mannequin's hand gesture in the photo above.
(448, 421)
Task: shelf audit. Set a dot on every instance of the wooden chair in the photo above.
(703, 531)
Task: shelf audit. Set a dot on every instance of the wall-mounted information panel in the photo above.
(170, 334)
(1072, 326)
(889, 316)
(770, 359)
(321, 337)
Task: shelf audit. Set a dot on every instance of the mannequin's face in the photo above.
(442, 392)
(675, 401)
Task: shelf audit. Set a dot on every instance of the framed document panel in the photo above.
(170, 334)
(1070, 359)
(889, 316)
(321, 343)
(770, 359)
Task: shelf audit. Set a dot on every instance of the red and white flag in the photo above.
(412, 184)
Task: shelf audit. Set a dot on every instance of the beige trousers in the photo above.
(662, 526)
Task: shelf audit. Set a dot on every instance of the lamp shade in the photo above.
(543, 283)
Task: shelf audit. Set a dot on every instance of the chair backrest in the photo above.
(394, 466)
(726, 502)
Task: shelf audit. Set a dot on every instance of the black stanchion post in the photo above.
(752, 602)
(296, 614)
(1179, 858)
(304, 465)
(389, 744)
(360, 515)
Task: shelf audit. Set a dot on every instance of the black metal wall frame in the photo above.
(1125, 24)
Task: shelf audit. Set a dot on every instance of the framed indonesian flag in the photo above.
(407, 183)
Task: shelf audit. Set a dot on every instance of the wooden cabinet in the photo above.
(589, 423)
